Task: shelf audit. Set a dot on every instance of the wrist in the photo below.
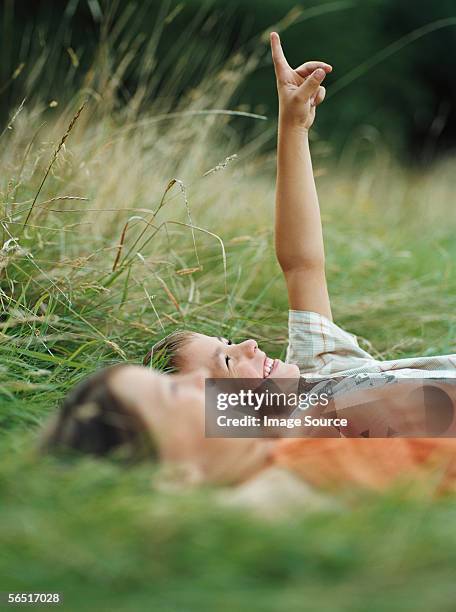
(294, 125)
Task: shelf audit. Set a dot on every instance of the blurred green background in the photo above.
(393, 59)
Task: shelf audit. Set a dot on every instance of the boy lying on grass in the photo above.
(317, 348)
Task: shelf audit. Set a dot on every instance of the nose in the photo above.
(249, 347)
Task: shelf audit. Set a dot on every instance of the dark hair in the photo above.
(93, 420)
(165, 354)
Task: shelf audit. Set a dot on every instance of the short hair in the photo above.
(93, 420)
(165, 355)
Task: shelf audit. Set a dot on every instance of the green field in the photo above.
(100, 260)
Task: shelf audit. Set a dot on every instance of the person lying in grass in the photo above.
(135, 413)
(138, 413)
(317, 346)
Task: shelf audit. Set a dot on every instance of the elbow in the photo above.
(290, 264)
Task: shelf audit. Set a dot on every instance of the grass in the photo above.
(110, 538)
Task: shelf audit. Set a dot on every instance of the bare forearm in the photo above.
(298, 232)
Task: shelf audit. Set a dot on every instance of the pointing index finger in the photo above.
(278, 56)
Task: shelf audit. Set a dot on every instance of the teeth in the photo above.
(268, 366)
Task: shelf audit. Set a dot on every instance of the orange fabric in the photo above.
(369, 463)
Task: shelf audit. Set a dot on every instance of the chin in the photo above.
(286, 370)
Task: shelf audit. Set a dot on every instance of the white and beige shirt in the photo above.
(321, 349)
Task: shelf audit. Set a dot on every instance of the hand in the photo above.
(300, 90)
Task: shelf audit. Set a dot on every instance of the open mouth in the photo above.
(268, 366)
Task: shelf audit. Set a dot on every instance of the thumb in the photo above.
(310, 86)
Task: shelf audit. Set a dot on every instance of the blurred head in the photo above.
(186, 351)
(93, 419)
(139, 413)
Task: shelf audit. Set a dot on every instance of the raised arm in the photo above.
(298, 232)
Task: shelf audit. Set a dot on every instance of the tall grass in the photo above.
(119, 225)
(92, 273)
(122, 223)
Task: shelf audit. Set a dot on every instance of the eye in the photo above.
(227, 360)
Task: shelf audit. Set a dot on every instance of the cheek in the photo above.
(246, 370)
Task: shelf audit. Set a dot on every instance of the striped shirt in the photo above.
(321, 349)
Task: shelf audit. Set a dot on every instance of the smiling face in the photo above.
(223, 359)
(172, 409)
